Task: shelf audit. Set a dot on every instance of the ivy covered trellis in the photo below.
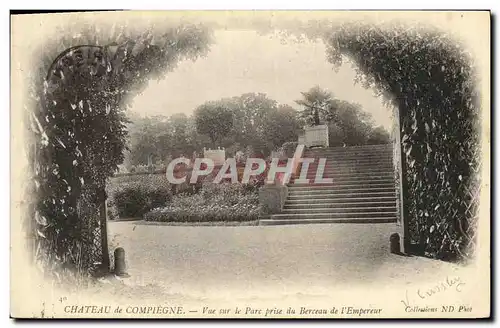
(429, 77)
(76, 124)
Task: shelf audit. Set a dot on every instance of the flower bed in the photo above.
(214, 203)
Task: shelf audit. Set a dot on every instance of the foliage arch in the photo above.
(429, 77)
(76, 129)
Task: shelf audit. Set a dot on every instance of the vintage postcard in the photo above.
(250, 164)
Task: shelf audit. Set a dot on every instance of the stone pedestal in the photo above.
(316, 136)
(302, 139)
(272, 198)
(218, 156)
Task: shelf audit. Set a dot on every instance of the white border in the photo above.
(191, 5)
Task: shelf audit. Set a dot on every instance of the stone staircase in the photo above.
(363, 188)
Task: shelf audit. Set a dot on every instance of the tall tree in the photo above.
(355, 123)
(281, 125)
(379, 136)
(149, 136)
(181, 144)
(250, 113)
(215, 120)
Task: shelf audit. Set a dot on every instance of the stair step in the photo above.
(344, 210)
(347, 158)
(349, 149)
(346, 170)
(373, 153)
(354, 169)
(343, 184)
(335, 170)
(348, 177)
(312, 186)
(289, 221)
(358, 158)
(339, 172)
(289, 205)
(355, 160)
(360, 181)
(342, 194)
(353, 148)
(351, 176)
(388, 167)
(294, 192)
(336, 214)
(337, 200)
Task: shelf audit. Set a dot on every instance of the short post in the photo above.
(395, 243)
(103, 223)
(120, 266)
(150, 167)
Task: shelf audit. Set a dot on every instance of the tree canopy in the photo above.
(317, 104)
(349, 123)
(215, 120)
(251, 121)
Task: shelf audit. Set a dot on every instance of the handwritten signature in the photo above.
(450, 283)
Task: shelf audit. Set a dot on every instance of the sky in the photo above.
(243, 61)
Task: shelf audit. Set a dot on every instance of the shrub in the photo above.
(214, 203)
(133, 196)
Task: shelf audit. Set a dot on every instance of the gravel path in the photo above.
(245, 262)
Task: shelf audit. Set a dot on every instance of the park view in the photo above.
(256, 159)
(186, 114)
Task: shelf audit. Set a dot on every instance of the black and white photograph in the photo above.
(250, 164)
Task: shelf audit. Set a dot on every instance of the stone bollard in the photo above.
(120, 266)
(395, 243)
